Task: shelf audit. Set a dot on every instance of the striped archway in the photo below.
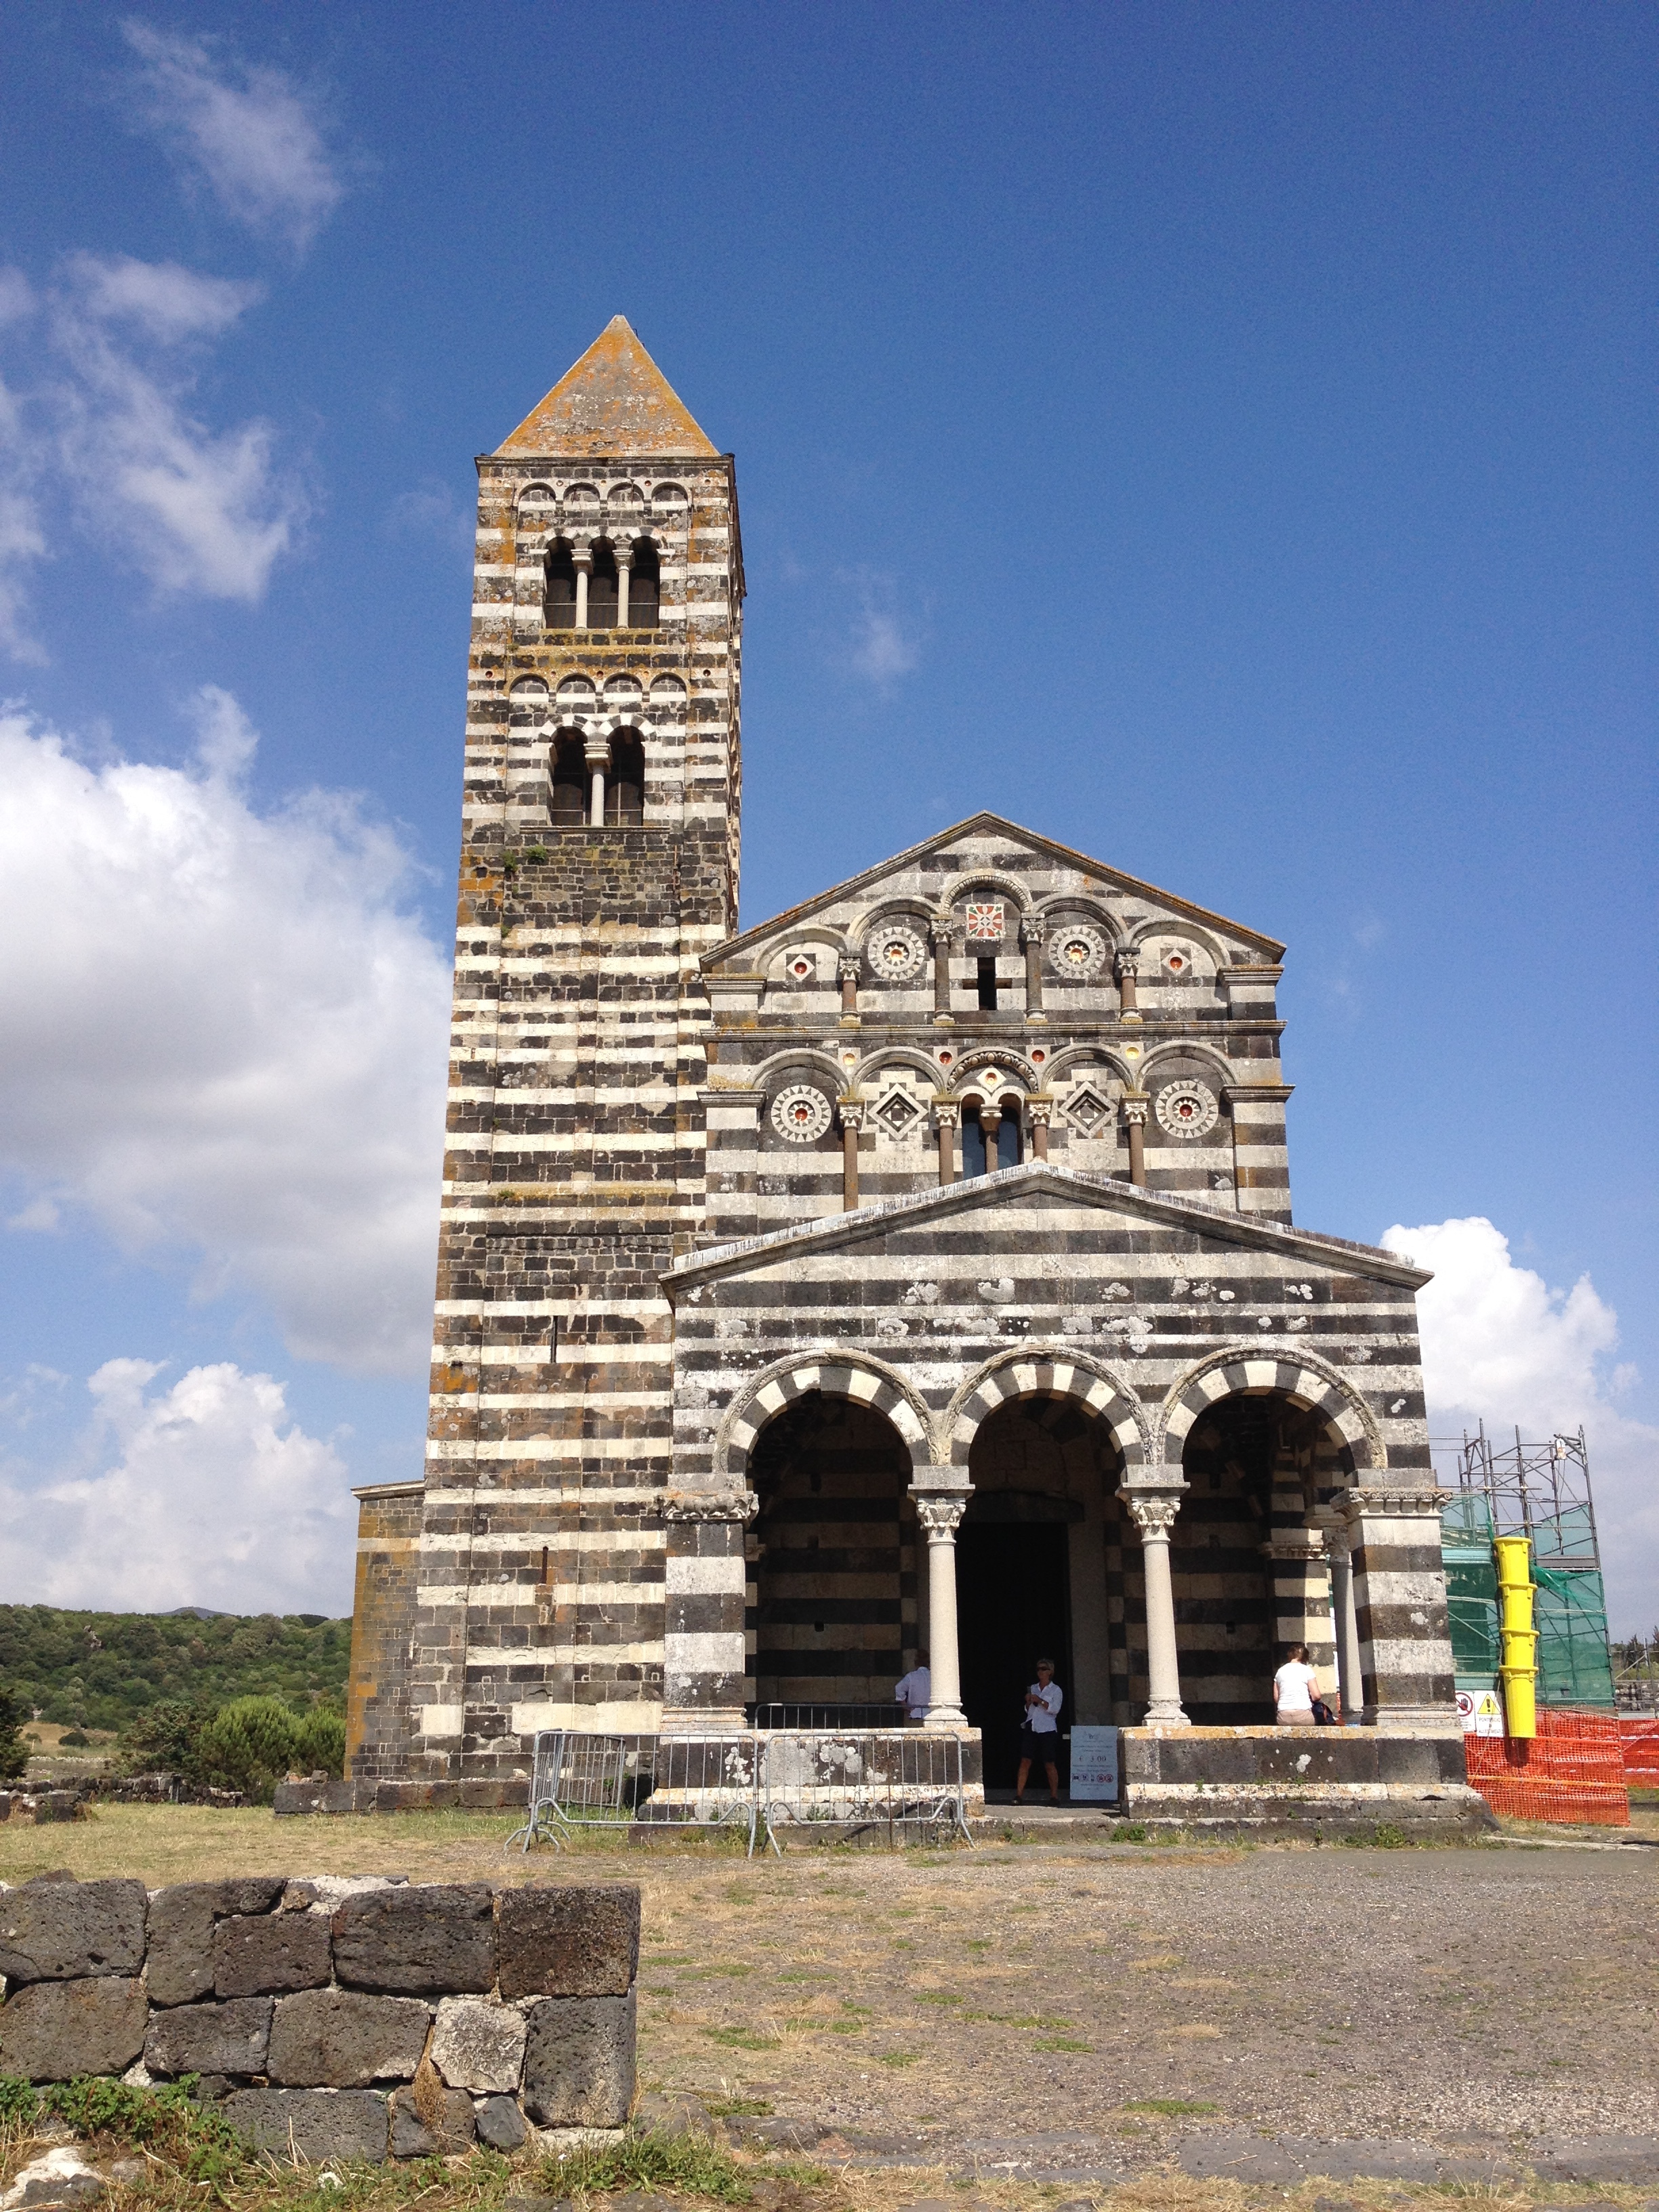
(1039, 1371)
(1306, 1382)
(865, 1381)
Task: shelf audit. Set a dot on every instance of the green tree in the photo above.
(249, 1745)
(162, 1740)
(14, 1752)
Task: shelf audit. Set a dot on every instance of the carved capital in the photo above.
(1136, 1106)
(583, 558)
(851, 1111)
(1293, 1545)
(1127, 964)
(596, 751)
(1041, 1110)
(940, 1514)
(1033, 929)
(848, 970)
(947, 1112)
(740, 1505)
(939, 931)
(1391, 1502)
(1153, 1512)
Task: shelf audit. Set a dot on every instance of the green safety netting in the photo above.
(1569, 1608)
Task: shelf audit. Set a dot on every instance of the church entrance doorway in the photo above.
(1013, 1603)
(835, 1574)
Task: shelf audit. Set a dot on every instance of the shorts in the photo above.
(1294, 1717)
(1044, 1749)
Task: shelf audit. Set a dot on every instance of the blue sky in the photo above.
(1221, 438)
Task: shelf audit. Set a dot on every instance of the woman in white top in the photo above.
(1039, 1736)
(1294, 1686)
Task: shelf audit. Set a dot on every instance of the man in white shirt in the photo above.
(916, 1691)
(1039, 1735)
(1294, 1687)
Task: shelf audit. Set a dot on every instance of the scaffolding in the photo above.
(1540, 1491)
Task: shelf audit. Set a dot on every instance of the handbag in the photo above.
(1323, 1717)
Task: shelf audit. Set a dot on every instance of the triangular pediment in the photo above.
(1095, 876)
(1065, 1191)
(614, 401)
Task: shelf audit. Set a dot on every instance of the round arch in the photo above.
(975, 879)
(1042, 1371)
(1307, 1381)
(1086, 907)
(1187, 1049)
(821, 1064)
(867, 1382)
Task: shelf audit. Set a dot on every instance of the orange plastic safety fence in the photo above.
(1572, 1770)
(1640, 1735)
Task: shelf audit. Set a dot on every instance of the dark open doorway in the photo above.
(1013, 1604)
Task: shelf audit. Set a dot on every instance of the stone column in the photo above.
(1128, 967)
(1345, 1622)
(1400, 1604)
(848, 970)
(940, 933)
(1041, 1110)
(704, 1655)
(946, 1112)
(596, 751)
(583, 558)
(1032, 931)
(624, 569)
(939, 1513)
(1136, 1105)
(1153, 1513)
(852, 1121)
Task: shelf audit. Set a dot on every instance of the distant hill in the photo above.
(101, 1670)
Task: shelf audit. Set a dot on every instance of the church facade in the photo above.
(914, 1270)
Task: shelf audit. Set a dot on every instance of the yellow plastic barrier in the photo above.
(1519, 1668)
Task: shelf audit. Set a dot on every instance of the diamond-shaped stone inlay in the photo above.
(898, 1112)
(1087, 1111)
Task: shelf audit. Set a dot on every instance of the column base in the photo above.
(1165, 1714)
(945, 1720)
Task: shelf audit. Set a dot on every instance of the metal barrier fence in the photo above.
(838, 1718)
(582, 1781)
(904, 1780)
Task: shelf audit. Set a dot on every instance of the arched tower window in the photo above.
(560, 605)
(973, 1142)
(644, 586)
(1009, 1134)
(569, 806)
(602, 588)
(624, 792)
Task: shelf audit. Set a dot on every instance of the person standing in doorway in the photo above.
(1293, 1689)
(915, 1691)
(1039, 1734)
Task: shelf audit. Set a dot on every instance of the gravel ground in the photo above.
(1485, 1993)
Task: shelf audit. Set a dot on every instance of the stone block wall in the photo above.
(355, 2019)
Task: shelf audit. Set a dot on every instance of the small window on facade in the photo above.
(569, 782)
(561, 586)
(602, 588)
(973, 1142)
(987, 982)
(624, 790)
(644, 587)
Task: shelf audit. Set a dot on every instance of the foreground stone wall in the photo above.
(1339, 1780)
(355, 2019)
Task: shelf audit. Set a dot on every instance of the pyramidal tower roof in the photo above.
(615, 400)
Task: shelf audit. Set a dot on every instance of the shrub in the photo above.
(162, 1740)
(14, 1752)
(249, 1745)
(319, 1741)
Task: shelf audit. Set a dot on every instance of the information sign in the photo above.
(1094, 1766)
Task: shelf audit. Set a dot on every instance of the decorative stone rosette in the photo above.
(1187, 1109)
(1077, 952)
(800, 1113)
(895, 953)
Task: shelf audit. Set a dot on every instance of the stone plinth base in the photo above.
(1339, 1780)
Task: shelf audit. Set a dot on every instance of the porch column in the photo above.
(946, 1112)
(1400, 1605)
(704, 1659)
(1032, 931)
(852, 1121)
(583, 558)
(940, 1514)
(1154, 1514)
(1135, 1106)
(1041, 1110)
(596, 751)
(940, 933)
(1344, 1622)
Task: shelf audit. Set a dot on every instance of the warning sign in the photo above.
(1481, 1712)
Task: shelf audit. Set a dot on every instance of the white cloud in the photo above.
(226, 1035)
(882, 646)
(16, 297)
(1499, 1345)
(167, 302)
(244, 128)
(206, 1493)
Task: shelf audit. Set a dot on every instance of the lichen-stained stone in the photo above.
(178, 1960)
(209, 2039)
(53, 2030)
(578, 2062)
(569, 1940)
(59, 1931)
(317, 2124)
(270, 1955)
(447, 2124)
(343, 2040)
(433, 1939)
(500, 2124)
(479, 2046)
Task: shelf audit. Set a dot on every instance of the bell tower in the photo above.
(598, 863)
